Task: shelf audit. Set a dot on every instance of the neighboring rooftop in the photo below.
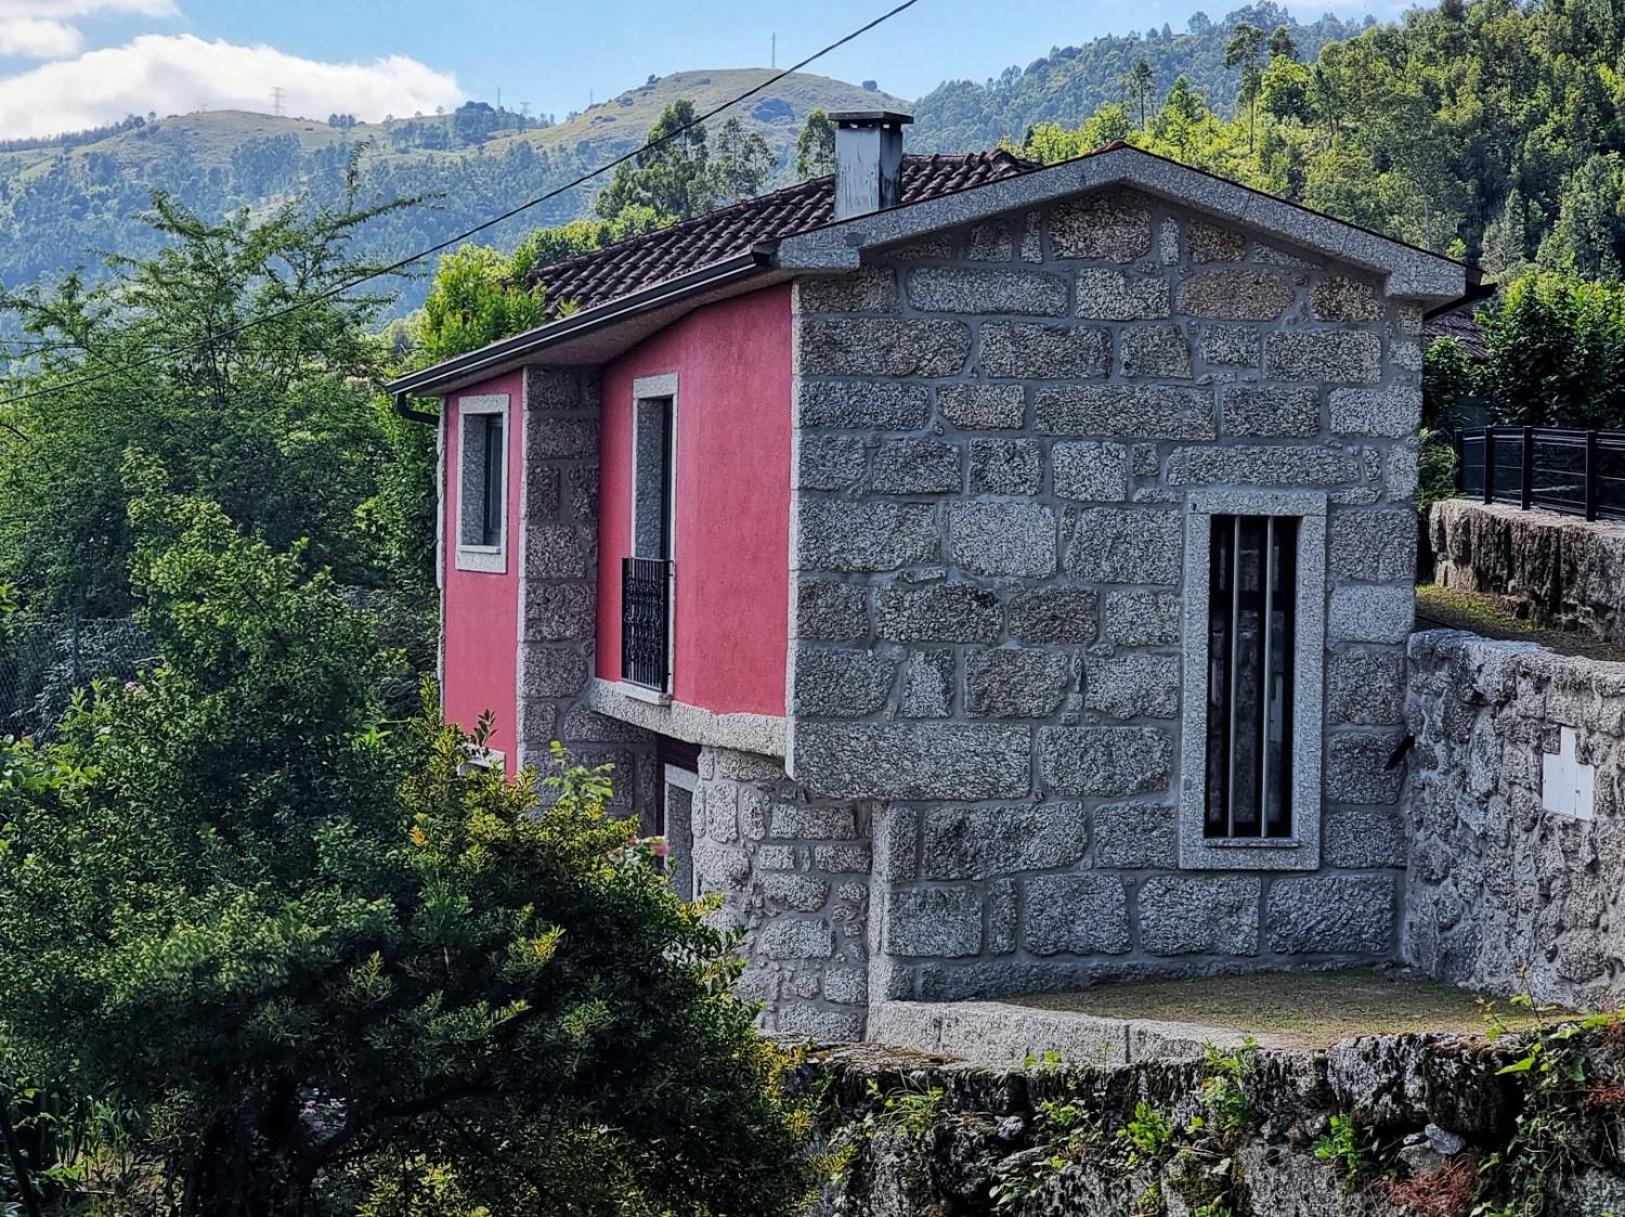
(1459, 324)
(605, 274)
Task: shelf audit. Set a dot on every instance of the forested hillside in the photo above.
(1071, 82)
(64, 202)
(1489, 129)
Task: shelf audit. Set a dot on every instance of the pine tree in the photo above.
(815, 149)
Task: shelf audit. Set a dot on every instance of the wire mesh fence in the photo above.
(43, 661)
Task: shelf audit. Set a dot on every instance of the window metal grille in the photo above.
(1252, 614)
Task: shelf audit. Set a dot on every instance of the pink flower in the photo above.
(132, 686)
(660, 847)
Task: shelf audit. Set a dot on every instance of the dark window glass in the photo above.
(1252, 592)
(491, 496)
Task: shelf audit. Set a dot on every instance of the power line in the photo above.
(395, 267)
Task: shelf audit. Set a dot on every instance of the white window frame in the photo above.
(656, 388)
(1300, 851)
(488, 559)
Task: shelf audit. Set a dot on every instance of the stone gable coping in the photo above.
(1410, 272)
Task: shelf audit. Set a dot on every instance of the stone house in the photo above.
(991, 577)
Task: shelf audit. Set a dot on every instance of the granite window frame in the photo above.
(1300, 850)
(473, 465)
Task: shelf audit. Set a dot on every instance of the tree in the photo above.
(672, 177)
(1182, 114)
(473, 122)
(1139, 83)
(815, 147)
(1584, 239)
(1244, 50)
(1051, 142)
(1285, 90)
(741, 163)
(474, 300)
(234, 355)
(327, 966)
(1505, 250)
(1199, 23)
(1282, 45)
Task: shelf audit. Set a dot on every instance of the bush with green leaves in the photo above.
(331, 967)
(235, 354)
(1556, 346)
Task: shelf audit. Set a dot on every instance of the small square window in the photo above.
(482, 483)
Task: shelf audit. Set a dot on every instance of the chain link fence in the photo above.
(43, 661)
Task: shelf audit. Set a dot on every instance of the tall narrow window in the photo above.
(651, 492)
(646, 570)
(1251, 649)
(490, 514)
(482, 482)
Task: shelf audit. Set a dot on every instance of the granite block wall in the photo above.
(1503, 892)
(559, 591)
(793, 874)
(996, 433)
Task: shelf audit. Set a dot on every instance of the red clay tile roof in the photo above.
(605, 274)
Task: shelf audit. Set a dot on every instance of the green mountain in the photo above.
(1071, 83)
(66, 201)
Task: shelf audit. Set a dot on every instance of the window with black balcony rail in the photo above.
(647, 571)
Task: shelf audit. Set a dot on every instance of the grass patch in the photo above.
(1296, 1009)
(1451, 608)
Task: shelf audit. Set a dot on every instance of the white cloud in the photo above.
(176, 74)
(38, 38)
(44, 29)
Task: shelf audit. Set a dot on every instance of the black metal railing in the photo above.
(1554, 468)
(645, 621)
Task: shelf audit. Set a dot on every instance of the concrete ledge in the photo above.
(759, 733)
(1003, 1034)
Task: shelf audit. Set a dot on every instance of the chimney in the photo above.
(868, 161)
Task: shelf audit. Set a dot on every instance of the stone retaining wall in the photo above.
(1501, 894)
(1557, 570)
(1434, 1104)
(998, 434)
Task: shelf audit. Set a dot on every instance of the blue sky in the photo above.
(68, 63)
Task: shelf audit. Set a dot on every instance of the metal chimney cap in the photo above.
(871, 118)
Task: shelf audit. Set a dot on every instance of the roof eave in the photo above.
(507, 354)
(1411, 273)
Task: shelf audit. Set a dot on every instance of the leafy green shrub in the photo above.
(1147, 1136)
(1556, 346)
(332, 968)
(1448, 376)
(1350, 1149)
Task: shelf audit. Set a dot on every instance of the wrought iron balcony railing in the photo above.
(646, 622)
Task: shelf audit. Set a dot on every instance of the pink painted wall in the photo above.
(732, 554)
(481, 610)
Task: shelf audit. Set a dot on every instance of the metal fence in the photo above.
(1558, 469)
(43, 661)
